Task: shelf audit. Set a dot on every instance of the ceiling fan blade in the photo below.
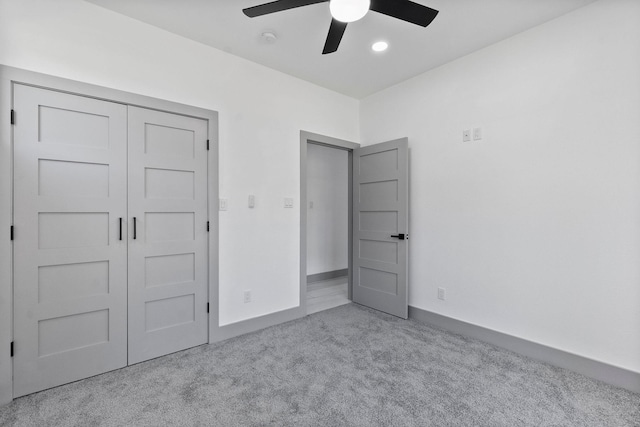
(336, 30)
(405, 10)
(277, 6)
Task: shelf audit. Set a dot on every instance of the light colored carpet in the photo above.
(348, 366)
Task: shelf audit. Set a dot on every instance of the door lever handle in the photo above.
(400, 236)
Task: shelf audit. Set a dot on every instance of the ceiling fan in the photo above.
(345, 11)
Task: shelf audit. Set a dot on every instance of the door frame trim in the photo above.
(340, 144)
(11, 75)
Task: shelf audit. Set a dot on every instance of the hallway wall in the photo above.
(327, 220)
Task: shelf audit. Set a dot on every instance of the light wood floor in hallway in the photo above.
(327, 294)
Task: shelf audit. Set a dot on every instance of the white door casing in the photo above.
(380, 226)
(70, 268)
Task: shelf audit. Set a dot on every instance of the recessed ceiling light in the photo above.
(379, 46)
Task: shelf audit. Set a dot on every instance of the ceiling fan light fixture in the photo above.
(379, 46)
(345, 11)
(349, 10)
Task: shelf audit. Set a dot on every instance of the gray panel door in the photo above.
(70, 271)
(168, 274)
(380, 226)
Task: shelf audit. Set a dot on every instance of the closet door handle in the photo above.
(134, 228)
(120, 232)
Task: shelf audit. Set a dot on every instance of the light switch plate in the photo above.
(466, 135)
(288, 202)
(223, 204)
(252, 201)
(477, 134)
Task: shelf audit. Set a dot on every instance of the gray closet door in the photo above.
(380, 226)
(70, 271)
(168, 272)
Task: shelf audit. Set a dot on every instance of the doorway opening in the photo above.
(327, 225)
(326, 218)
(378, 220)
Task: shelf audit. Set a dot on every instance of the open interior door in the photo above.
(380, 226)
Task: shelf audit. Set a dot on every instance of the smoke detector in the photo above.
(269, 37)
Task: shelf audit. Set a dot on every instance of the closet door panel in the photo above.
(70, 283)
(168, 271)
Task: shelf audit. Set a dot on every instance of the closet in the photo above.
(110, 249)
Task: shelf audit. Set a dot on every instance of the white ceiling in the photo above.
(461, 27)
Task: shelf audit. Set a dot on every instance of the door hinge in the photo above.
(13, 117)
(11, 348)
(207, 145)
(207, 225)
(11, 232)
(207, 307)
